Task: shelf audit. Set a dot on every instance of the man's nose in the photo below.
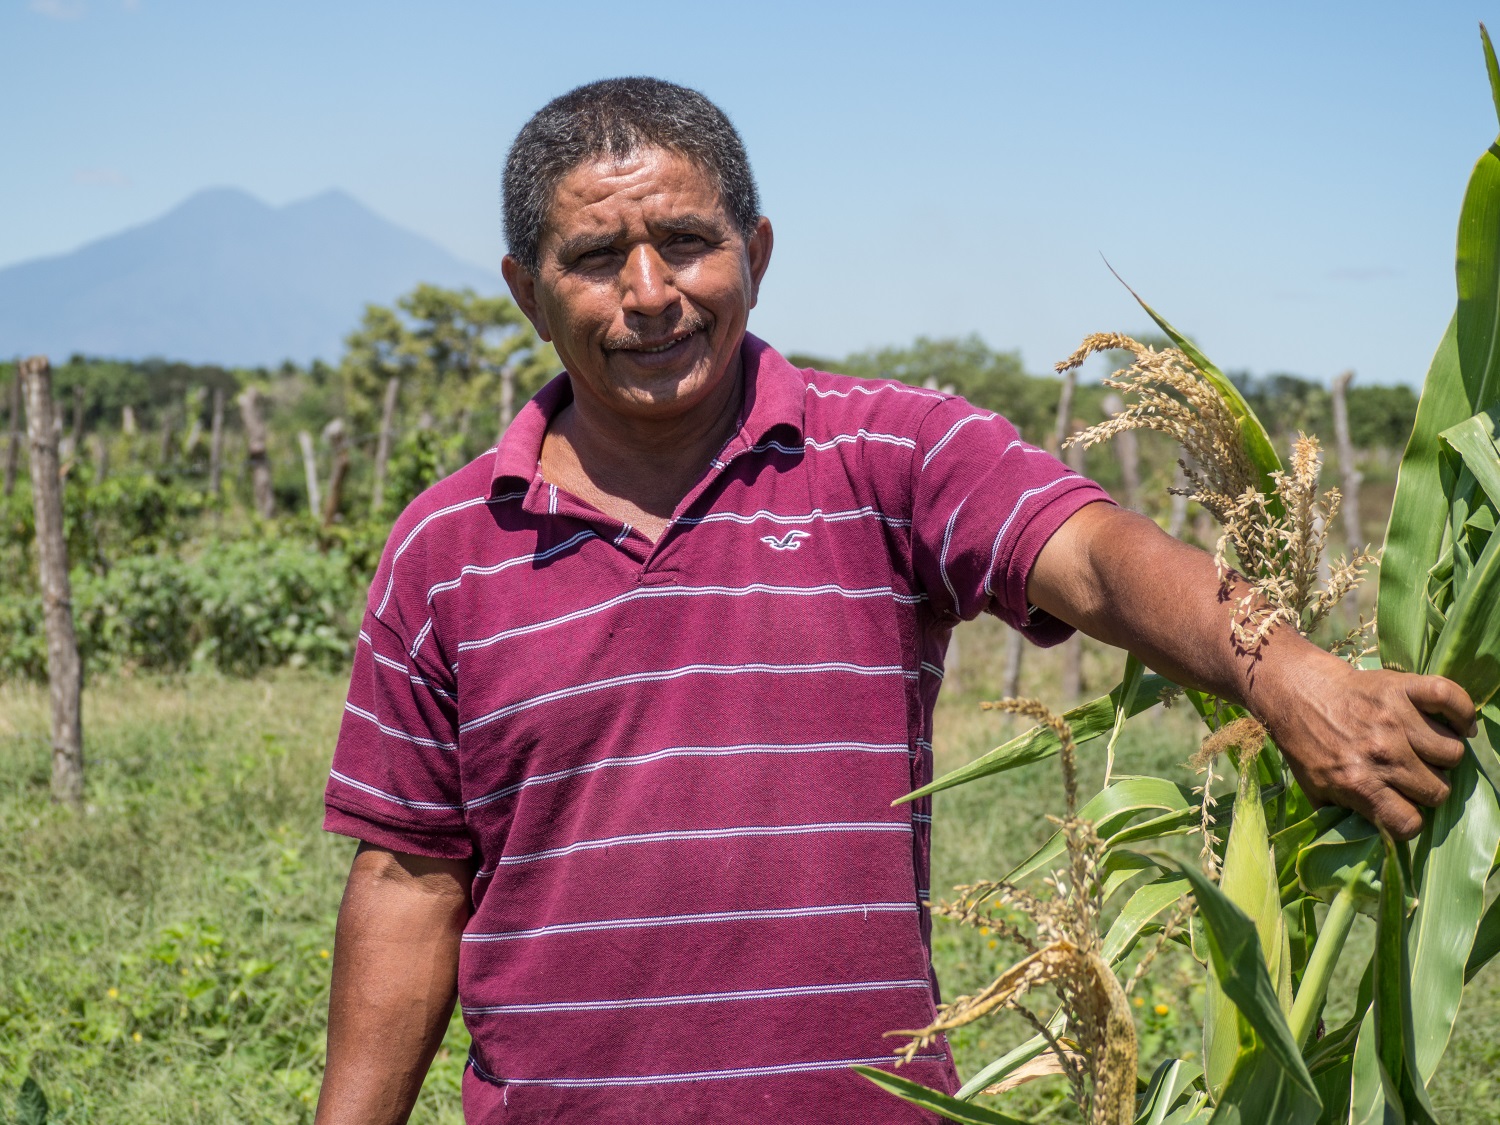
(646, 282)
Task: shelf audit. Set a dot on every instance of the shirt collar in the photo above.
(774, 396)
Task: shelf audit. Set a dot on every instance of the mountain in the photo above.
(224, 278)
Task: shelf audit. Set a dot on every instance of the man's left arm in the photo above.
(1372, 741)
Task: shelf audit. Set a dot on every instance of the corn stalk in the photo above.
(1270, 863)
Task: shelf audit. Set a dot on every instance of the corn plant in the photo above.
(1278, 883)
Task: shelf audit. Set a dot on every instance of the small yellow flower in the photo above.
(113, 994)
(994, 944)
(136, 1036)
(1138, 1002)
(984, 931)
(323, 953)
(1161, 1009)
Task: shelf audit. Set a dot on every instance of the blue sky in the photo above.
(1281, 180)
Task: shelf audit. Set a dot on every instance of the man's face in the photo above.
(644, 285)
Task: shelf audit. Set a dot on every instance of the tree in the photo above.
(453, 350)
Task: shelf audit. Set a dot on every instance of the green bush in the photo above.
(239, 607)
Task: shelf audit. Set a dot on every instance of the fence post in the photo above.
(507, 397)
(99, 450)
(255, 450)
(383, 444)
(1347, 467)
(216, 444)
(13, 440)
(334, 434)
(64, 673)
(310, 472)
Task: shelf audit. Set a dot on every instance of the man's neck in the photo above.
(638, 470)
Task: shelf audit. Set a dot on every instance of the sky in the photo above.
(1281, 180)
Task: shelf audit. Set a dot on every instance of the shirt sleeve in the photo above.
(395, 780)
(984, 504)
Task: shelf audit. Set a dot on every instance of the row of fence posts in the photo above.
(31, 398)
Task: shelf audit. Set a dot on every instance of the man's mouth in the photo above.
(672, 343)
(639, 346)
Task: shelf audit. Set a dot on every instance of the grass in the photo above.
(163, 958)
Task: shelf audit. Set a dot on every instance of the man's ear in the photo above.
(523, 290)
(758, 249)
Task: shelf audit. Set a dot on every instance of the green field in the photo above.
(165, 958)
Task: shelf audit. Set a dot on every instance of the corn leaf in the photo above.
(1260, 1092)
(1468, 649)
(1088, 720)
(1170, 1082)
(1110, 810)
(1240, 967)
(1138, 912)
(1454, 852)
(1373, 1097)
(1478, 270)
(1324, 865)
(1248, 880)
(1291, 840)
(1419, 513)
(1464, 380)
(1010, 1061)
(1130, 683)
(939, 1103)
(1253, 435)
(1486, 942)
(1474, 440)
(1394, 1034)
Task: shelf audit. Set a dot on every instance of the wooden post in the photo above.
(1015, 646)
(1128, 451)
(1353, 530)
(310, 471)
(72, 444)
(100, 452)
(383, 444)
(507, 397)
(195, 430)
(64, 673)
(127, 421)
(1064, 411)
(13, 439)
(255, 450)
(216, 444)
(335, 436)
(168, 422)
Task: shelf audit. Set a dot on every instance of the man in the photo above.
(636, 690)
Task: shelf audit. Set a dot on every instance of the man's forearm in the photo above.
(1139, 589)
(395, 974)
(1372, 741)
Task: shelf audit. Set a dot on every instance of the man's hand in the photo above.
(395, 975)
(1371, 741)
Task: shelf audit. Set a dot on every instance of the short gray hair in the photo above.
(614, 118)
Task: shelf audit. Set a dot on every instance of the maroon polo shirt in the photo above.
(673, 764)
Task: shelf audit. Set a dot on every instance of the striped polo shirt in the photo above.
(673, 764)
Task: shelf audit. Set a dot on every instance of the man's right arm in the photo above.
(395, 974)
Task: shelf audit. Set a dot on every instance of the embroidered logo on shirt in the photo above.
(788, 542)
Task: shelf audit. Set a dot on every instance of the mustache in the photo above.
(631, 341)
